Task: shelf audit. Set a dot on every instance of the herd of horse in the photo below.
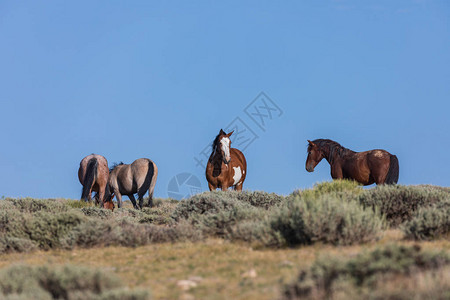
(227, 168)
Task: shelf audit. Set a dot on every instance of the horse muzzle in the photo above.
(309, 169)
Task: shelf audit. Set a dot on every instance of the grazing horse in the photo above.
(374, 166)
(93, 175)
(139, 177)
(226, 166)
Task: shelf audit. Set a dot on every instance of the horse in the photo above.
(226, 166)
(94, 175)
(138, 177)
(368, 167)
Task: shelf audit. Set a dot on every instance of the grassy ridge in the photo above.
(337, 213)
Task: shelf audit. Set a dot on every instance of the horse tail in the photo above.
(89, 177)
(149, 183)
(153, 182)
(392, 175)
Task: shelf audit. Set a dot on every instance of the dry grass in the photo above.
(220, 269)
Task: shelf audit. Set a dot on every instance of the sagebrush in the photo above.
(399, 203)
(63, 282)
(323, 279)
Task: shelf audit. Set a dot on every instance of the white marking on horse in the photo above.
(225, 142)
(237, 174)
(379, 153)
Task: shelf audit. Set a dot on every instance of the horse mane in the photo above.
(214, 159)
(215, 143)
(330, 147)
(115, 165)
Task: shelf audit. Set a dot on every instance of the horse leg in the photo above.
(141, 194)
(119, 199)
(150, 196)
(211, 187)
(238, 187)
(96, 199)
(141, 201)
(336, 172)
(101, 196)
(378, 178)
(133, 200)
(89, 198)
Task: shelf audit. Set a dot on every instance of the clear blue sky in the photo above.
(158, 79)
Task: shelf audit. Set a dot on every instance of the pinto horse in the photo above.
(138, 177)
(368, 167)
(93, 175)
(226, 166)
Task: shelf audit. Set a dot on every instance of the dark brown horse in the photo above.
(226, 166)
(374, 166)
(139, 177)
(93, 175)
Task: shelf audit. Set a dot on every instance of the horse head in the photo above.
(222, 144)
(315, 155)
(109, 205)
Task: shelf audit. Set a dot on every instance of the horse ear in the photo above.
(222, 132)
(228, 135)
(311, 143)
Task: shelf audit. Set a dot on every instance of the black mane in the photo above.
(216, 142)
(216, 156)
(114, 166)
(329, 147)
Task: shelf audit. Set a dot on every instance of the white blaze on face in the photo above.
(225, 144)
(237, 175)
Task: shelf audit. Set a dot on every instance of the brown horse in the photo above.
(226, 166)
(139, 177)
(374, 166)
(93, 175)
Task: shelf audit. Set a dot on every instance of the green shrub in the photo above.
(347, 188)
(257, 198)
(31, 205)
(399, 203)
(66, 282)
(429, 222)
(163, 201)
(219, 201)
(13, 223)
(364, 270)
(327, 219)
(97, 212)
(91, 233)
(216, 213)
(430, 284)
(222, 223)
(125, 232)
(124, 294)
(129, 212)
(6, 205)
(258, 232)
(78, 203)
(208, 202)
(46, 229)
(13, 244)
(41, 228)
(435, 187)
